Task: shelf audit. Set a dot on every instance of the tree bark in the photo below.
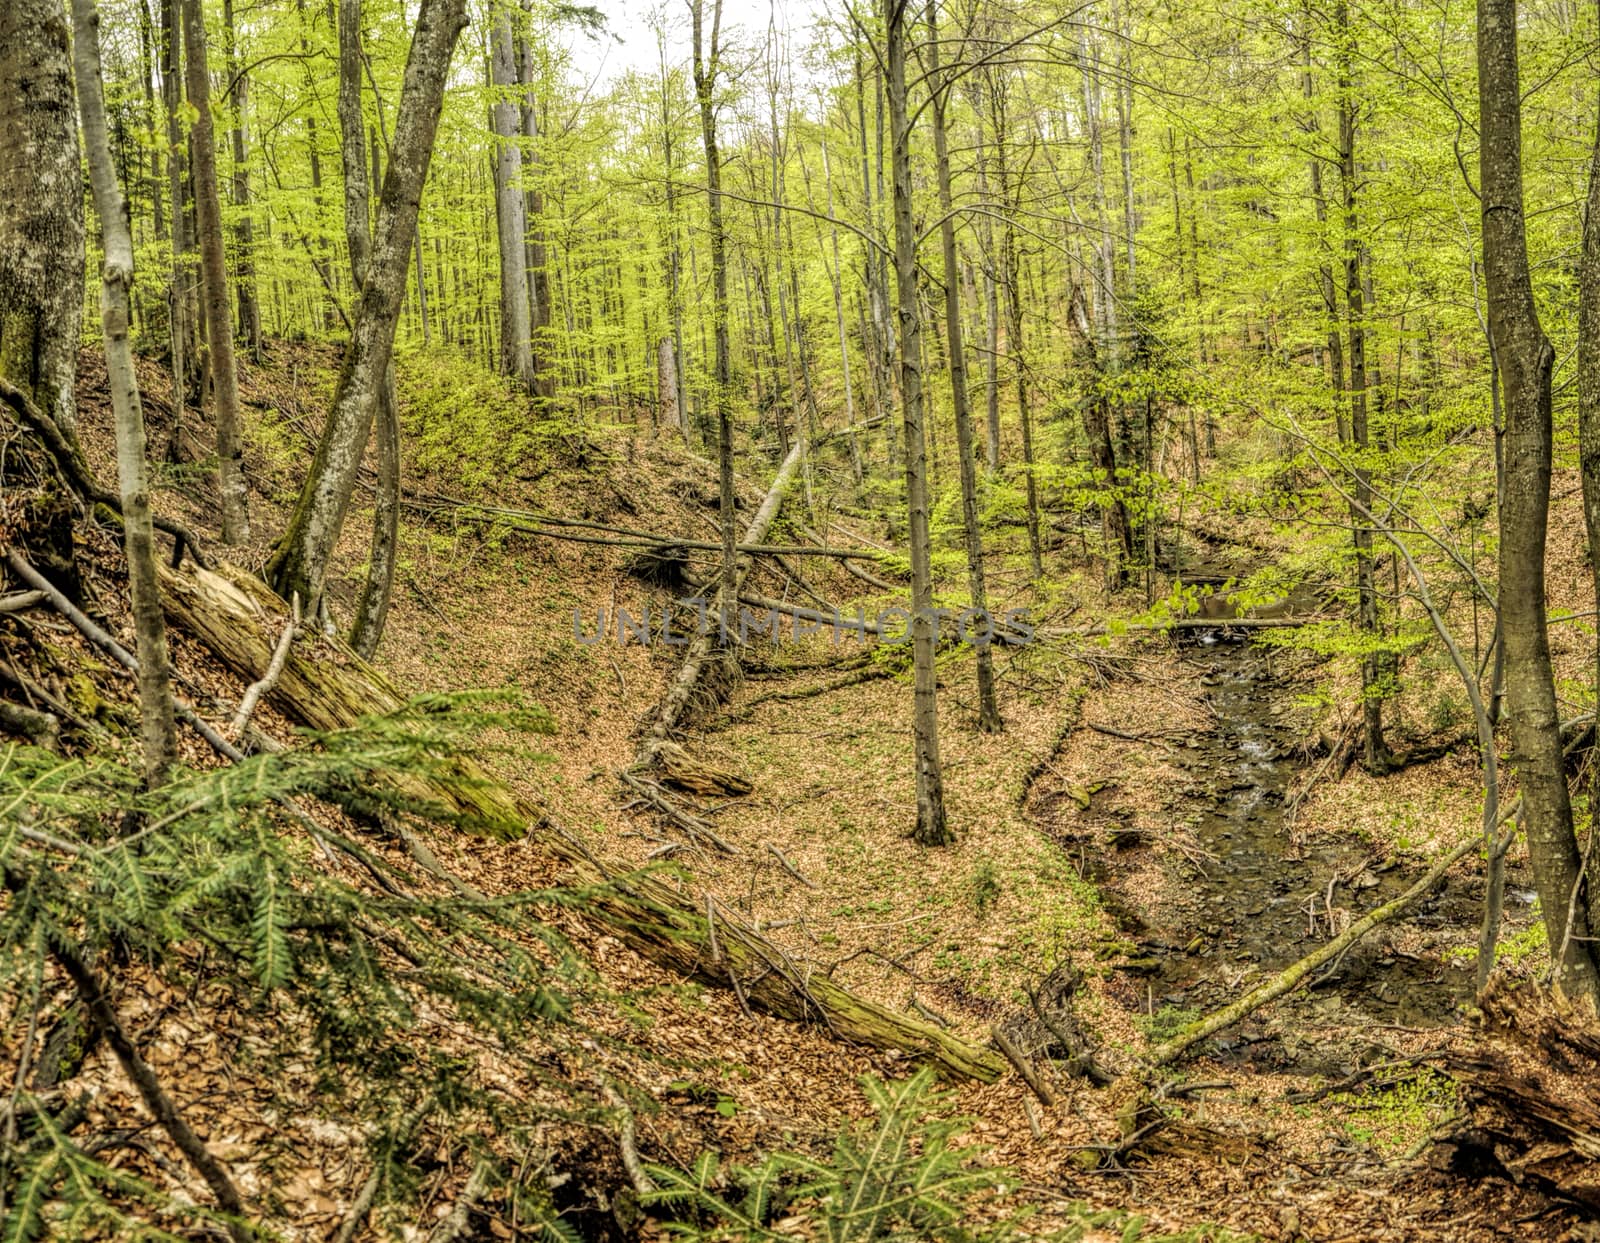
(245, 237)
(300, 560)
(707, 65)
(1376, 757)
(931, 828)
(511, 221)
(41, 209)
(157, 728)
(1589, 422)
(1526, 360)
(214, 282)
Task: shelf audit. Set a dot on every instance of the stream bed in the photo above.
(1261, 895)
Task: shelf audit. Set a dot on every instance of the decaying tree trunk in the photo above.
(705, 649)
(670, 413)
(325, 685)
(41, 208)
(1529, 1097)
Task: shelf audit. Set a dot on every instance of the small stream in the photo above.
(1262, 898)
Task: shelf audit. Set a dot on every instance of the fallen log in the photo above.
(703, 650)
(325, 685)
(322, 682)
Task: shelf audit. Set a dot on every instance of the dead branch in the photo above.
(1030, 1076)
(75, 467)
(96, 635)
(788, 867)
(627, 1140)
(455, 1224)
(280, 657)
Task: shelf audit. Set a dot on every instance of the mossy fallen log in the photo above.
(325, 685)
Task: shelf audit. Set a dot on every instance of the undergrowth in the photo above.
(219, 883)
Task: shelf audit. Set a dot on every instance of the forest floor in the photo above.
(1132, 827)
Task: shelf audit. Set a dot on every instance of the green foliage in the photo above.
(219, 877)
(897, 1177)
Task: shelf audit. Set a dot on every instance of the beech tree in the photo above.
(931, 828)
(214, 283)
(299, 563)
(1525, 361)
(41, 230)
(157, 727)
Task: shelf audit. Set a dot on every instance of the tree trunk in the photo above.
(41, 209)
(931, 828)
(544, 378)
(300, 560)
(244, 269)
(706, 68)
(1589, 422)
(511, 221)
(157, 729)
(670, 413)
(1526, 360)
(988, 710)
(214, 282)
(1375, 750)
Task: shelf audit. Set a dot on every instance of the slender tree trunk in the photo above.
(1011, 279)
(41, 209)
(516, 333)
(244, 235)
(372, 607)
(300, 560)
(539, 312)
(1589, 426)
(931, 827)
(157, 730)
(1526, 360)
(182, 316)
(707, 65)
(988, 709)
(1375, 750)
(214, 282)
(836, 276)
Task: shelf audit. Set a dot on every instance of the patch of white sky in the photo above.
(634, 30)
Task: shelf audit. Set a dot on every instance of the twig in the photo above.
(628, 1141)
(369, 1190)
(269, 679)
(789, 867)
(115, 650)
(20, 600)
(155, 1097)
(455, 1224)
